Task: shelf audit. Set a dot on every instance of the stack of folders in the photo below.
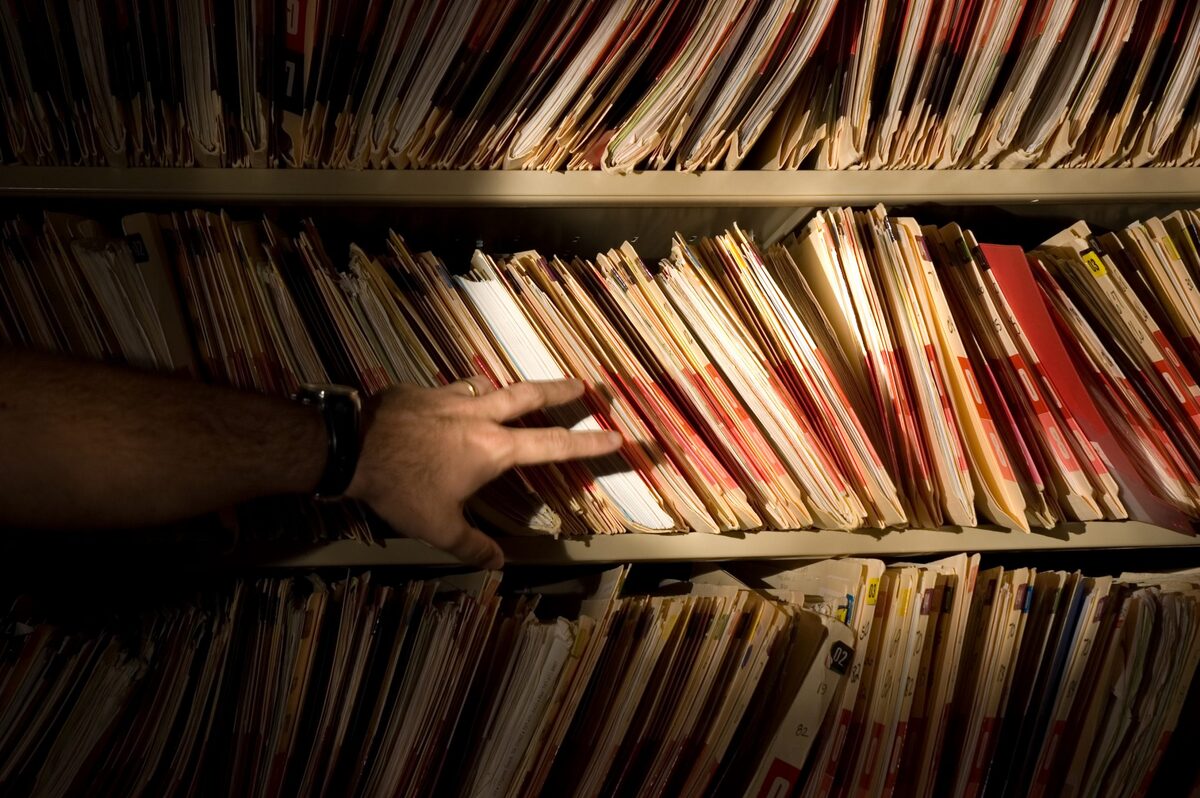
(193, 294)
(838, 678)
(601, 84)
(864, 372)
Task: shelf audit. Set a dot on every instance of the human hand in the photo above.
(427, 450)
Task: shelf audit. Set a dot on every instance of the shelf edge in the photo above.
(805, 544)
(585, 189)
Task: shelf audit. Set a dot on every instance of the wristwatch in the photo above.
(341, 408)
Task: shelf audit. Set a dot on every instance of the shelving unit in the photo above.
(224, 654)
(771, 203)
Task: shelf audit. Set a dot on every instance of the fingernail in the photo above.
(614, 438)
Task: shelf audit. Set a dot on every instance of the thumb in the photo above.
(475, 548)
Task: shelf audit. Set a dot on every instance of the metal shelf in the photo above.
(594, 189)
(751, 546)
(784, 194)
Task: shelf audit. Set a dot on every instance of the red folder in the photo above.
(1012, 272)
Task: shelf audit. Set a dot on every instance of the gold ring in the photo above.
(471, 387)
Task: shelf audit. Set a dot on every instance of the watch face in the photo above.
(327, 391)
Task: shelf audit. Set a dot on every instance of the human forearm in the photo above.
(89, 445)
(84, 444)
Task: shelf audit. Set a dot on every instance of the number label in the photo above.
(840, 657)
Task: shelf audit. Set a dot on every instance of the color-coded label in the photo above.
(780, 780)
(1169, 245)
(1094, 264)
(923, 246)
(840, 657)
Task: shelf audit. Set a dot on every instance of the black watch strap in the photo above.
(341, 409)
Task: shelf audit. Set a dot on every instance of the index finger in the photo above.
(521, 398)
(555, 444)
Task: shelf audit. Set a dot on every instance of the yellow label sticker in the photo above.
(1170, 245)
(719, 627)
(872, 592)
(1094, 263)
